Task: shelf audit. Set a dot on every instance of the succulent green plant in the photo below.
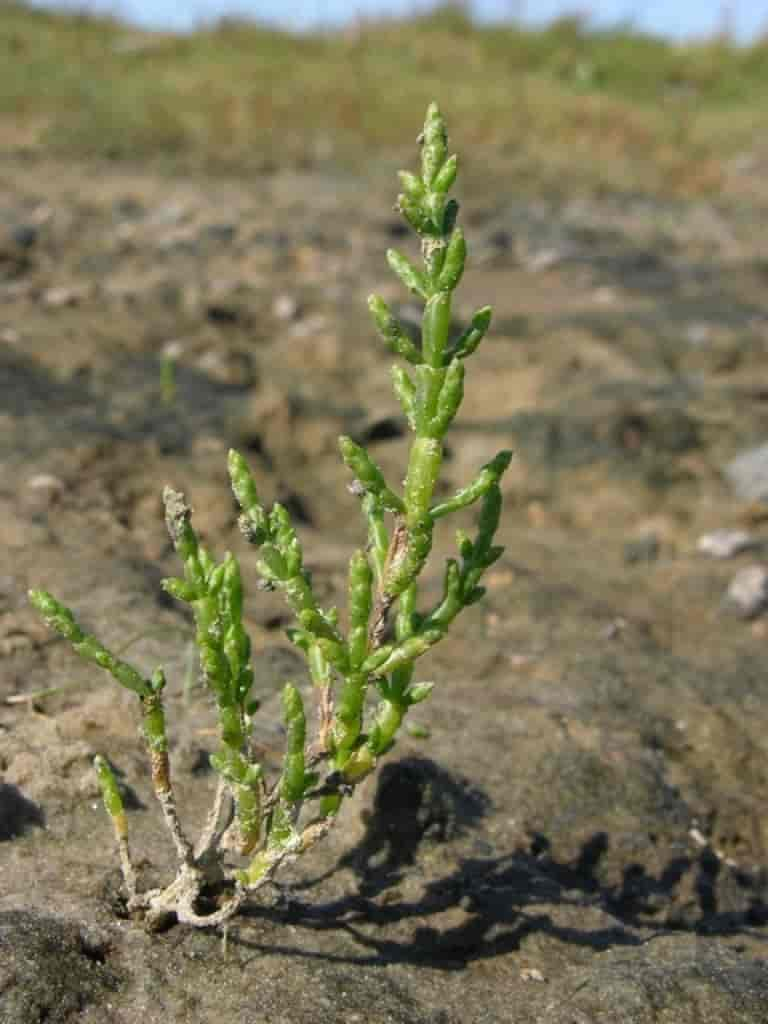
(256, 825)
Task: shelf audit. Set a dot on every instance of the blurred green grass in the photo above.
(610, 109)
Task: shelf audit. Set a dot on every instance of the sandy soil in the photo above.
(581, 839)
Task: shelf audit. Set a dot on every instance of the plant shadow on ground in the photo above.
(85, 410)
(17, 813)
(417, 800)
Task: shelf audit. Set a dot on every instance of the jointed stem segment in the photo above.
(271, 824)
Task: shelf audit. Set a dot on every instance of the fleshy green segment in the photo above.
(245, 781)
(110, 793)
(215, 593)
(60, 618)
(281, 834)
(488, 477)
(369, 475)
(281, 565)
(295, 779)
(153, 716)
(392, 333)
(430, 395)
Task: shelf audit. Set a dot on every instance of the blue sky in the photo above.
(679, 19)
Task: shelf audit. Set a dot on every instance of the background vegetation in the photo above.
(609, 109)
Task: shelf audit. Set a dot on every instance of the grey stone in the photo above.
(748, 474)
(747, 593)
(725, 543)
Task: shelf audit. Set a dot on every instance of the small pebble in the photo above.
(63, 296)
(747, 594)
(45, 482)
(43, 490)
(168, 213)
(698, 334)
(544, 259)
(531, 974)
(725, 543)
(748, 474)
(605, 296)
(285, 307)
(173, 349)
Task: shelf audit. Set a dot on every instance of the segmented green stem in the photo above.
(346, 668)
